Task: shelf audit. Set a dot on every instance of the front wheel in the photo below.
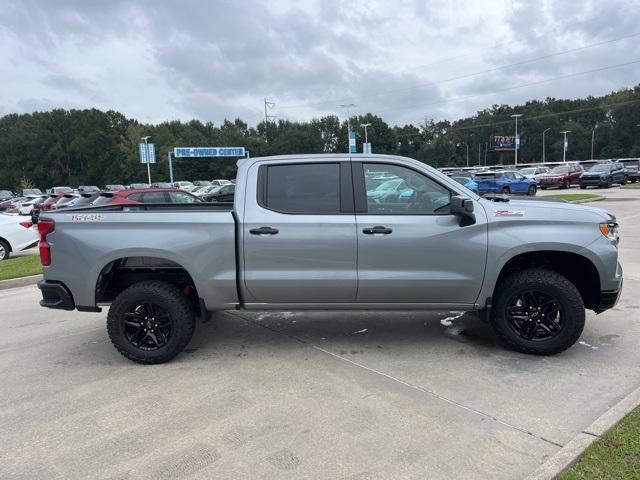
(625, 180)
(538, 311)
(532, 191)
(506, 190)
(566, 184)
(583, 187)
(150, 322)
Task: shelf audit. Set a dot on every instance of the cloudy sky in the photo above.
(404, 60)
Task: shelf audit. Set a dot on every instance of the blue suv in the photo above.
(505, 181)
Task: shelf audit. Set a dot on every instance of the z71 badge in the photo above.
(508, 213)
(86, 217)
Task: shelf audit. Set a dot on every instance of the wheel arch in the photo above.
(578, 269)
(8, 243)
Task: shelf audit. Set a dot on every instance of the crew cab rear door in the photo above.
(298, 233)
(410, 248)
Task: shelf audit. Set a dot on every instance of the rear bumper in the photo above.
(55, 295)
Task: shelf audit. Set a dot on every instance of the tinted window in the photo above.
(509, 175)
(153, 197)
(411, 193)
(308, 188)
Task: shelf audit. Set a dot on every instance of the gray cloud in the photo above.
(157, 60)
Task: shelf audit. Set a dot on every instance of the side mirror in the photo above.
(463, 207)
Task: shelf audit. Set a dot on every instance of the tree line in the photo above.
(93, 147)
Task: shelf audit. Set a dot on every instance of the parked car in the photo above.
(303, 234)
(504, 181)
(138, 186)
(146, 195)
(534, 172)
(183, 185)
(604, 175)
(83, 200)
(562, 176)
(161, 185)
(14, 204)
(224, 194)
(65, 201)
(32, 202)
(221, 183)
(202, 183)
(467, 182)
(57, 190)
(5, 195)
(15, 235)
(114, 187)
(29, 192)
(5, 204)
(51, 201)
(632, 166)
(88, 189)
(202, 191)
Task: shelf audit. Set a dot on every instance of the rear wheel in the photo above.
(506, 190)
(582, 187)
(150, 322)
(625, 180)
(566, 184)
(538, 311)
(5, 250)
(532, 191)
(609, 182)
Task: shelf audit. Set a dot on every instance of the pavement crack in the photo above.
(403, 382)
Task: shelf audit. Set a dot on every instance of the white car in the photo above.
(16, 234)
(220, 183)
(201, 191)
(186, 186)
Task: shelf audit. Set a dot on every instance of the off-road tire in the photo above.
(171, 300)
(547, 282)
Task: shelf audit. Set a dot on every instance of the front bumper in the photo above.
(55, 295)
(593, 181)
(608, 299)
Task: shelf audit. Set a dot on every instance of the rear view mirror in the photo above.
(463, 207)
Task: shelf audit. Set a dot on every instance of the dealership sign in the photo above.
(195, 152)
(505, 142)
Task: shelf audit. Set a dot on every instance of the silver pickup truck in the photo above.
(334, 232)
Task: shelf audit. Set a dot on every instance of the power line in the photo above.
(469, 75)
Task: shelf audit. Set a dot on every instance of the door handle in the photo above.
(379, 230)
(263, 231)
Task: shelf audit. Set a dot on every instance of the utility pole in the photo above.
(268, 106)
(146, 151)
(347, 106)
(593, 135)
(467, 153)
(479, 154)
(564, 145)
(516, 142)
(486, 147)
(543, 147)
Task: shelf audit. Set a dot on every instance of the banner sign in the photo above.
(199, 152)
(352, 142)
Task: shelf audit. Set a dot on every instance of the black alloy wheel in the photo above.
(535, 316)
(147, 327)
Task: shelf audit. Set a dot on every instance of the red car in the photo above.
(146, 195)
(562, 176)
(51, 201)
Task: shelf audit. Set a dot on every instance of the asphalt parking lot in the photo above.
(308, 395)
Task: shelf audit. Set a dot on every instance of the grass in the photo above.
(573, 197)
(615, 456)
(20, 267)
(632, 185)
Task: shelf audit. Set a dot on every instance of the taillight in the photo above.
(26, 224)
(45, 227)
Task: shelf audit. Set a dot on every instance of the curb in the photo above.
(19, 282)
(571, 452)
(588, 200)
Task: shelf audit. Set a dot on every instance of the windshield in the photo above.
(600, 168)
(560, 170)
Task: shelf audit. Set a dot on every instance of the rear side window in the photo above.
(153, 197)
(312, 188)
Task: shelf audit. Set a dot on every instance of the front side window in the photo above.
(153, 197)
(303, 188)
(407, 192)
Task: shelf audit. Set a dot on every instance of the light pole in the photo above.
(347, 106)
(593, 134)
(516, 115)
(146, 151)
(544, 150)
(467, 154)
(564, 145)
(366, 138)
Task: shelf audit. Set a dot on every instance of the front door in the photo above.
(299, 236)
(410, 248)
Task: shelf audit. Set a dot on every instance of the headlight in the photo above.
(610, 230)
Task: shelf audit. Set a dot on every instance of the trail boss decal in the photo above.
(86, 217)
(508, 213)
